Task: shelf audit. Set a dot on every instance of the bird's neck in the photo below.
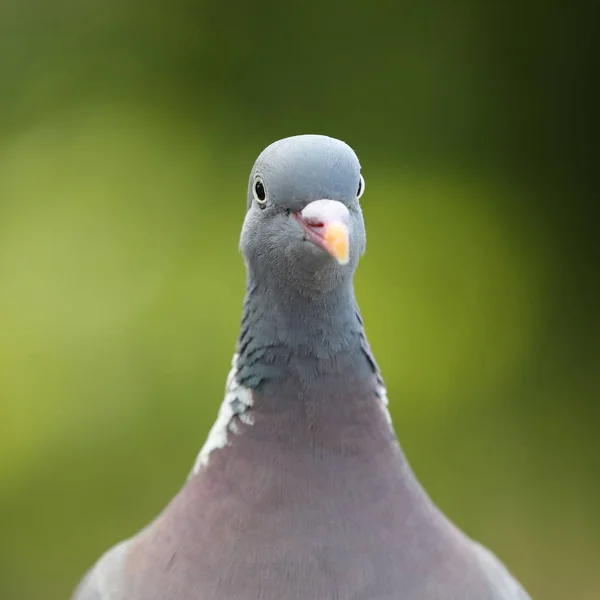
(297, 336)
(303, 377)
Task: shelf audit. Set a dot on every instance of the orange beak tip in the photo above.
(338, 242)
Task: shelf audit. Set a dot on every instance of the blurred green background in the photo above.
(127, 132)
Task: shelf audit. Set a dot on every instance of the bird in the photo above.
(301, 490)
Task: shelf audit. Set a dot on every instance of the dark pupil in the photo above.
(359, 187)
(259, 188)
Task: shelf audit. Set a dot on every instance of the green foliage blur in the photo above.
(127, 133)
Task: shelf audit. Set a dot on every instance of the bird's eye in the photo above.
(361, 187)
(259, 192)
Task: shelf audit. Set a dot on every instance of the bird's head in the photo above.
(304, 224)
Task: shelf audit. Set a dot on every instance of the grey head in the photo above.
(304, 227)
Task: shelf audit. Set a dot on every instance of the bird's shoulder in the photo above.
(502, 584)
(104, 581)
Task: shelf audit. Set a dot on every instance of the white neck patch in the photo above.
(382, 395)
(237, 403)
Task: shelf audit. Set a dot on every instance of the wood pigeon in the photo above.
(301, 491)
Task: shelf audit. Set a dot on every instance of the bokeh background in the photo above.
(127, 132)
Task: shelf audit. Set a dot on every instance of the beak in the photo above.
(325, 223)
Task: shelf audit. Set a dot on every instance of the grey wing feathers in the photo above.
(503, 584)
(105, 580)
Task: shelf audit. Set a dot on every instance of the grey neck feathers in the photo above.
(298, 336)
